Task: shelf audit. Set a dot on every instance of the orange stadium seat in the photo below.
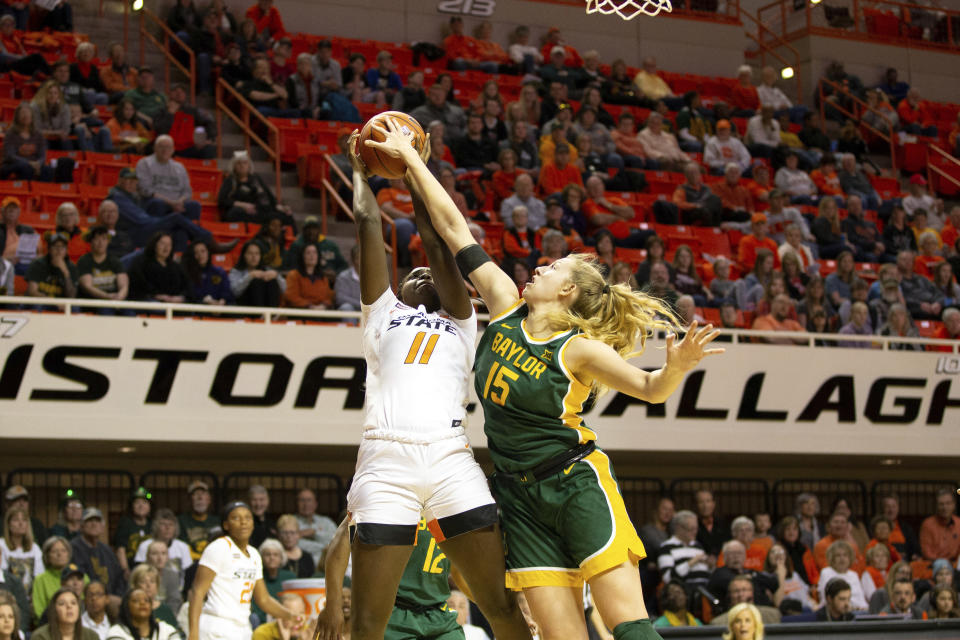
(50, 195)
(290, 131)
(713, 241)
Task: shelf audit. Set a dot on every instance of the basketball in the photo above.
(379, 162)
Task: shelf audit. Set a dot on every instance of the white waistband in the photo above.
(413, 437)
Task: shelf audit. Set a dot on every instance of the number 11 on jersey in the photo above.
(427, 350)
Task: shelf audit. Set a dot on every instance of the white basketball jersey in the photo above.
(231, 592)
(418, 366)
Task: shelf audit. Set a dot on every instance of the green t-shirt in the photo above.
(150, 104)
(104, 273)
(194, 532)
(531, 403)
(49, 279)
(129, 534)
(425, 578)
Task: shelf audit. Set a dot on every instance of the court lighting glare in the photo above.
(811, 1)
(138, 4)
(786, 73)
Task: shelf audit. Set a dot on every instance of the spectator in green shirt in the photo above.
(134, 528)
(57, 553)
(149, 102)
(196, 525)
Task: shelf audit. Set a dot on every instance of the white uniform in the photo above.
(415, 459)
(226, 612)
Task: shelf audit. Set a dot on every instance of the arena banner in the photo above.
(133, 379)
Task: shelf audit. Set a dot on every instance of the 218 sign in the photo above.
(479, 8)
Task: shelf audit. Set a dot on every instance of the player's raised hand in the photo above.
(397, 140)
(688, 353)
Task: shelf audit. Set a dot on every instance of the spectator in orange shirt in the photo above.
(554, 39)
(695, 202)
(307, 286)
(744, 98)
(628, 145)
(940, 533)
(267, 19)
(915, 116)
(838, 528)
(118, 77)
(613, 214)
(556, 175)
(487, 49)
(505, 176)
(464, 52)
(778, 320)
(735, 198)
(397, 203)
(951, 230)
(950, 329)
(760, 186)
(826, 177)
(756, 239)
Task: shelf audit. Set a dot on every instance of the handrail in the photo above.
(933, 169)
(164, 47)
(329, 188)
(282, 315)
(243, 121)
(839, 89)
(781, 10)
(780, 42)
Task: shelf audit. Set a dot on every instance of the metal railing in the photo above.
(790, 23)
(840, 90)
(248, 111)
(329, 192)
(190, 70)
(933, 151)
(282, 315)
(770, 49)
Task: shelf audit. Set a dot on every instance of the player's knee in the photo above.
(499, 604)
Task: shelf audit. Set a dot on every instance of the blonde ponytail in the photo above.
(613, 314)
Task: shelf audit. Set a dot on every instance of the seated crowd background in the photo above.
(584, 156)
(809, 566)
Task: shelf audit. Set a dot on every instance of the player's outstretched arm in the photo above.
(330, 620)
(594, 361)
(450, 288)
(496, 288)
(374, 278)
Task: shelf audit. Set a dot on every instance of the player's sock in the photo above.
(636, 630)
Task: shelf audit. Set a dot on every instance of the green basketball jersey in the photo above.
(424, 579)
(531, 402)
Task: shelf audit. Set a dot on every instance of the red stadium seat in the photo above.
(47, 196)
(289, 132)
(713, 241)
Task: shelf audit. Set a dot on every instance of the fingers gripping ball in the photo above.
(376, 160)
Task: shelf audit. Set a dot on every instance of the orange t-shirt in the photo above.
(820, 553)
(399, 198)
(894, 556)
(461, 47)
(490, 50)
(619, 228)
(949, 234)
(553, 179)
(745, 98)
(503, 183)
(827, 184)
(747, 252)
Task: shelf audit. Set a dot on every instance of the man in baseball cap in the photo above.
(196, 524)
(18, 496)
(96, 559)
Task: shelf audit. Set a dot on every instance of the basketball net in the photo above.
(629, 9)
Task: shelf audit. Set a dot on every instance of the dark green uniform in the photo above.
(421, 607)
(564, 528)
(196, 532)
(129, 535)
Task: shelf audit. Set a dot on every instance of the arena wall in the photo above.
(185, 384)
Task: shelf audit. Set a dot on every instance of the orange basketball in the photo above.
(379, 162)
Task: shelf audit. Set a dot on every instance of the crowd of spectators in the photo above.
(702, 565)
(789, 192)
(72, 579)
(803, 569)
